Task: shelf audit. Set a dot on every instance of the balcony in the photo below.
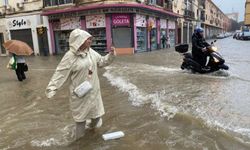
(168, 5)
(51, 3)
(189, 14)
(202, 18)
(211, 21)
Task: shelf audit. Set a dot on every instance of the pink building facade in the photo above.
(130, 28)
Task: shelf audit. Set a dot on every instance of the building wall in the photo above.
(105, 1)
(20, 16)
(247, 13)
(215, 20)
(19, 6)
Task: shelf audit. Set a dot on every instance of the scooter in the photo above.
(215, 60)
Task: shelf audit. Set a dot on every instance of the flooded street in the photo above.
(147, 95)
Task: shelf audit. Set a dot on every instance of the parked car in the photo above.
(220, 36)
(245, 35)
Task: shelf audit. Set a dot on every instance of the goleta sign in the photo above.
(121, 20)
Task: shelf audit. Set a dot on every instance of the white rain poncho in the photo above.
(75, 66)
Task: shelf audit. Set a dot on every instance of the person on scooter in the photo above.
(199, 48)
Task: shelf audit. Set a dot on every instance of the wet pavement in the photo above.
(147, 95)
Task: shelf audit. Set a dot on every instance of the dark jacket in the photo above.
(198, 43)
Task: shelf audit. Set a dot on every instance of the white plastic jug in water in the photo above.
(113, 135)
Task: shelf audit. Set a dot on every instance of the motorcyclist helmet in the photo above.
(199, 30)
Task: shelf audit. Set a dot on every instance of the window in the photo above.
(152, 2)
(56, 2)
(5, 2)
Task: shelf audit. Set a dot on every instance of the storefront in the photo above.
(24, 28)
(141, 33)
(190, 32)
(172, 33)
(2, 36)
(122, 33)
(185, 32)
(96, 26)
(152, 33)
(62, 29)
(164, 37)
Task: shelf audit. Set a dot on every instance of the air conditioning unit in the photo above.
(141, 1)
(175, 3)
(8, 7)
(19, 5)
(184, 6)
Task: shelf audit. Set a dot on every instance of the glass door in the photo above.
(2, 49)
(141, 39)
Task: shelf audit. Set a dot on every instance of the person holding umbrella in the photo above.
(18, 50)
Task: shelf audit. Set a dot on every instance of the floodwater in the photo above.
(147, 96)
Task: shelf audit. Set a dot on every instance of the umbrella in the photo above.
(18, 47)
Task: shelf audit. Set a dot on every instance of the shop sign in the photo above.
(41, 30)
(163, 23)
(19, 23)
(152, 22)
(141, 20)
(95, 21)
(121, 20)
(70, 23)
(171, 24)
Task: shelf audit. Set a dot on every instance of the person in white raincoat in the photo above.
(78, 65)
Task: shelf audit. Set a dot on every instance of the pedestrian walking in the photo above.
(163, 41)
(21, 67)
(80, 65)
(18, 64)
(168, 42)
(18, 49)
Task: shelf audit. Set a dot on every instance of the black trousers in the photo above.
(20, 72)
(201, 58)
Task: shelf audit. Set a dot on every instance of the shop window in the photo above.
(2, 49)
(153, 39)
(141, 39)
(62, 41)
(99, 39)
(152, 2)
(163, 39)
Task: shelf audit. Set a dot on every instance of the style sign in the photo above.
(95, 21)
(121, 20)
(19, 23)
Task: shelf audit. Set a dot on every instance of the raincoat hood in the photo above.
(77, 38)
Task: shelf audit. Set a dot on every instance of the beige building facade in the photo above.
(199, 13)
(247, 13)
(21, 20)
